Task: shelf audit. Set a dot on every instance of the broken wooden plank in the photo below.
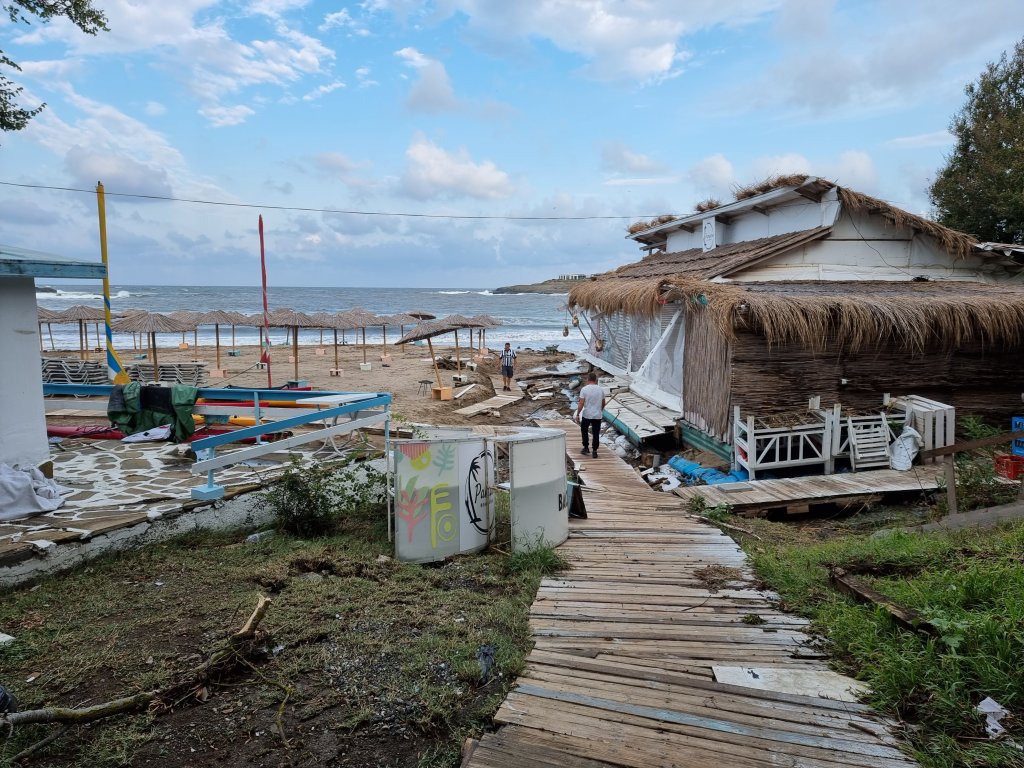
(857, 589)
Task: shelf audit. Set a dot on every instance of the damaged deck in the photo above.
(633, 644)
(120, 491)
(796, 494)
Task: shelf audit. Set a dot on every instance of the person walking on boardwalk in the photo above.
(508, 364)
(589, 412)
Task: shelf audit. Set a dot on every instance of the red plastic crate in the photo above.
(1010, 466)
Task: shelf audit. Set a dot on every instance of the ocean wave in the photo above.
(78, 295)
(452, 293)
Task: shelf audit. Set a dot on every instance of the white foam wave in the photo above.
(452, 293)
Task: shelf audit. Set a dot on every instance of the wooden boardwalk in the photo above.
(630, 644)
(796, 492)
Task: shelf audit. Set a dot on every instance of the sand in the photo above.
(401, 378)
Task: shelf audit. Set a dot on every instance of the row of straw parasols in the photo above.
(151, 323)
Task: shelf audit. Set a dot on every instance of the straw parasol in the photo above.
(362, 318)
(48, 316)
(289, 318)
(402, 319)
(82, 314)
(428, 330)
(485, 322)
(420, 314)
(335, 322)
(150, 323)
(191, 317)
(217, 318)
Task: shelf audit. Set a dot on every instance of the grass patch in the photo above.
(969, 584)
(371, 661)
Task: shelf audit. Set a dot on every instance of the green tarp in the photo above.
(134, 408)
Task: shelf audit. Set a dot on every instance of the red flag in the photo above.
(265, 356)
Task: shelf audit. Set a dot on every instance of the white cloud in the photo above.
(713, 175)
(645, 181)
(933, 139)
(854, 169)
(841, 58)
(432, 91)
(275, 8)
(433, 172)
(363, 76)
(343, 20)
(222, 116)
(618, 41)
(155, 109)
(117, 172)
(333, 164)
(618, 158)
(778, 165)
(323, 90)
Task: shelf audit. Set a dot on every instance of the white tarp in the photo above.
(660, 378)
(27, 492)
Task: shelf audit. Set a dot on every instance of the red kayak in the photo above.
(98, 432)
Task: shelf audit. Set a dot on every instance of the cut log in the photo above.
(857, 589)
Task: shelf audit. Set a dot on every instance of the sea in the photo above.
(528, 320)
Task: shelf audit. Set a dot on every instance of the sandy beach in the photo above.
(401, 376)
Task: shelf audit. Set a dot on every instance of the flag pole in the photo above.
(265, 356)
(114, 368)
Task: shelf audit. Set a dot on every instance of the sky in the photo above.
(520, 138)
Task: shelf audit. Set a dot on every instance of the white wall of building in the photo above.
(866, 247)
(22, 414)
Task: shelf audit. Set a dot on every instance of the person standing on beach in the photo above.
(508, 363)
(589, 412)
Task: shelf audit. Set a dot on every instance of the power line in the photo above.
(404, 214)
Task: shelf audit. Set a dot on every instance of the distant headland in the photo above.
(560, 284)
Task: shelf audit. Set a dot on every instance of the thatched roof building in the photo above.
(800, 288)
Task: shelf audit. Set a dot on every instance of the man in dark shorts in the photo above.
(508, 363)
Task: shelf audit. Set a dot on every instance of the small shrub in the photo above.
(302, 500)
(540, 559)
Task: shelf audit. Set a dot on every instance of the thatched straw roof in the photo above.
(216, 317)
(429, 329)
(744, 191)
(857, 315)
(289, 318)
(955, 242)
(421, 314)
(486, 321)
(47, 315)
(636, 288)
(81, 312)
(402, 318)
(149, 322)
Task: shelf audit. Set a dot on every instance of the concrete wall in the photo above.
(22, 415)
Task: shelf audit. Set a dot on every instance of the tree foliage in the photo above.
(14, 117)
(980, 190)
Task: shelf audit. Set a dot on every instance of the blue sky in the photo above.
(487, 108)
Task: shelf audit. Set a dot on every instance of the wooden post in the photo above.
(156, 365)
(295, 347)
(336, 349)
(216, 335)
(437, 373)
(950, 467)
(458, 361)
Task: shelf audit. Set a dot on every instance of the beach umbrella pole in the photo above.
(458, 360)
(364, 343)
(216, 337)
(433, 359)
(295, 346)
(156, 364)
(81, 340)
(336, 366)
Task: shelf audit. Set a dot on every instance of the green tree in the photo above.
(13, 117)
(980, 189)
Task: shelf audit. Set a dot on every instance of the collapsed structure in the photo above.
(803, 289)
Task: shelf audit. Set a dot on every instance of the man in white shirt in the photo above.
(589, 412)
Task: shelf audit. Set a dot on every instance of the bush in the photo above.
(302, 500)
